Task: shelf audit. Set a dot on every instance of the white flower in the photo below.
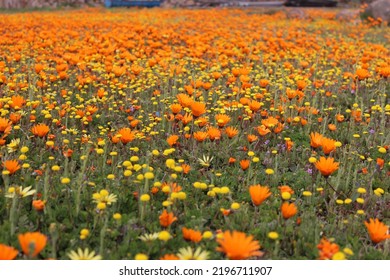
(83, 255)
(12, 191)
(206, 161)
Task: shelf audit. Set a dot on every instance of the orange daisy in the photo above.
(377, 230)
(326, 166)
(288, 210)
(11, 165)
(259, 194)
(7, 252)
(40, 130)
(166, 219)
(237, 245)
(32, 243)
(191, 235)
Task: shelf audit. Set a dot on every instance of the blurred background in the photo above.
(20, 4)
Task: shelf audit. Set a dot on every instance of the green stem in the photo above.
(103, 234)
(12, 216)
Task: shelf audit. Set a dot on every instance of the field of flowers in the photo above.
(193, 134)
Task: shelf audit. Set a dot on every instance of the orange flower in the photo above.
(172, 140)
(263, 130)
(186, 168)
(332, 127)
(7, 252)
(326, 166)
(214, 133)
(166, 219)
(377, 230)
(315, 139)
(187, 118)
(289, 145)
(32, 243)
(191, 235)
(5, 126)
(270, 122)
(200, 136)
(184, 99)
(169, 257)
(176, 108)
(38, 205)
(263, 83)
(198, 109)
(301, 84)
(259, 194)
(288, 210)
(340, 118)
(40, 130)
(328, 145)
(11, 165)
(202, 121)
(244, 164)
(362, 74)
(232, 160)
(286, 188)
(251, 138)
(68, 153)
(17, 102)
(238, 246)
(222, 119)
(15, 117)
(231, 131)
(380, 162)
(254, 105)
(327, 249)
(126, 135)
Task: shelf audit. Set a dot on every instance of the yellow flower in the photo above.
(207, 235)
(55, 168)
(224, 190)
(134, 159)
(348, 251)
(117, 216)
(65, 180)
(164, 235)
(361, 190)
(347, 201)
(127, 173)
(149, 175)
(360, 200)
(181, 195)
(338, 256)
(307, 193)
(312, 159)
(235, 206)
(273, 235)
(141, 257)
(269, 171)
(145, 197)
(84, 232)
(170, 163)
(379, 191)
(101, 206)
(286, 195)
